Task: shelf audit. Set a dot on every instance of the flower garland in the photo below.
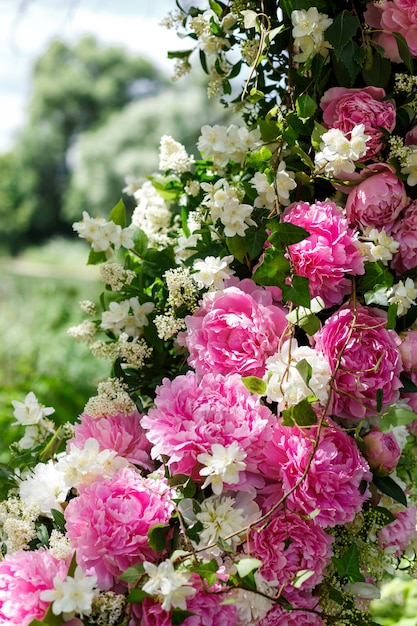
(251, 461)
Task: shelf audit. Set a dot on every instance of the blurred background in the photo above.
(86, 93)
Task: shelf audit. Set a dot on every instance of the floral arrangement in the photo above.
(252, 459)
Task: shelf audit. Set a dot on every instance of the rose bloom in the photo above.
(398, 16)
(364, 357)
(377, 201)
(405, 232)
(329, 253)
(189, 416)
(23, 576)
(108, 523)
(121, 433)
(382, 451)
(279, 616)
(345, 108)
(290, 543)
(398, 534)
(411, 137)
(332, 487)
(234, 331)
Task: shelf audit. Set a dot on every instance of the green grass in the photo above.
(39, 296)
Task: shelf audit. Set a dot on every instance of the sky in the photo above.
(27, 26)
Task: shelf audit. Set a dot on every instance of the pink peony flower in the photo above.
(190, 415)
(299, 600)
(377, 201)
(364, 357)
(290, 543)
(398, 16)
(333, 483)
(345, 108)
(23, 576)
(108, 523)
(234, 331)
(398, 534)
(405, 232)
(408, 350)
(329, 253)
(121, 433)
(382, 451)
(411, 137)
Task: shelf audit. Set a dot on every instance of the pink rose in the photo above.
(234, 331)
(398, 16)
(108, 523)
(405, 232)
(382, 451)
(397, 534)
(377, 201)
(364, 358)
(329, 254)
(346, 108)
(299, 600)
(408, 350)
(411, 137)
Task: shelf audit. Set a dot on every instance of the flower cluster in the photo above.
(252, 460)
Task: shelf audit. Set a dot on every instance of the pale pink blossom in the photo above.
(332, 487)
(377, 201)
(397, 534)
(329, 254)
(108, 523)
(299, 600)
(405, 232)
(121, 433)
(23, 577)
(381, 450)
(364, 356)
(234, 331)
(398, 16)
(345, 108)
(191, 415)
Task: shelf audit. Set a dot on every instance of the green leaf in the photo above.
(305, 370)
(156, 262)
(140, 239)
(178, 616)
(225, 546)
(255, 95)
(59, 520)
(285, 234)
(301, 414)
(254, 384)
(379, 399)
(207, 570)
(255, 240)
(137, 595)
(376, 276)
(94, 258)
(378, 72)
(247, 565)
(132, 574)
(305, 106)
(49, 619)
(303, 156)
(384, 515)
(336, 596)
(273, 270)
(404, 51)
(258, 157)
(157, 536)
(237, 246)
(407, 384)
(317, 134)
(348, 565)
(392, 316)
(342, 31)
(396, 416)
(215, 6)
(298, 292)
(185, 483)
(42, 534)
(351, 61)
(179, 54)
(389, 487)
(118, 214)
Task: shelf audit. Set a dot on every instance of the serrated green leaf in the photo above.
(157, 537)
(348, 565)
(284, 234)
(273, 270)
(254, 384)
(389, 487)
(376, 276)
(305, 106)
(297, 292)
(379, 72)
(301, 414)
(132, 574)
(118, 214)
(247, 565)
(341, 31)
(207, 570)
(350, 60)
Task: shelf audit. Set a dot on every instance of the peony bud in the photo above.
(382, 451)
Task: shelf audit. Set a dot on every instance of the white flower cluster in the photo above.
(152, 215)
(222, 466)
(295, 373)
(17, 523)
(133, 351)
(207, 40)
(32, 414)
(111, 399)
(212, 272)
(182, 290)
(116, 276)
(44, 487)
(308, 32)
(71, 596)
(403, 294)
(224, 204)
(338, 152)
(170, 586)
(224, 143)
(129, 316)
(268, 193)
(409, 165)
(84, 332)
(104, 236)
(376, 245)
(173, 156)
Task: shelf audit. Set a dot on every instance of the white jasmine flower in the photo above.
(224, 204)
(308, 32)
(173, 156)
(222, 143)
(285, 183)
(83, 465)
(128, 315)
(338, 152)
(212, 271)
(103, 236)
(266, 191)
(115, 319)
(44, 487)
(378, 246)
(223, 465)
(410, 166)
(285, 383)
(152, 215)
(252, 607)
(74, 595)
(403, 294)
(30, 411)
(171, 587)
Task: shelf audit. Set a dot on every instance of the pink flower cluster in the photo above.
(399, 16)
(405, 232)
(329, 254)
